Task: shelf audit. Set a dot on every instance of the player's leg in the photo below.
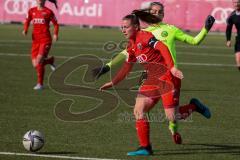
(142, 106)
(170, 103)
(237, 52)
(185, 111)
(44, 50)
(195, 105)
(40, 62)
(35, 63)
(40, 71)
(237, 58)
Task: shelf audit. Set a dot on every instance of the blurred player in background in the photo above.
(234, 19)
(41, 17)
(168, 34)
(144, 44)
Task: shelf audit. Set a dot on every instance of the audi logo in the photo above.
(18, 6)
(221, 14)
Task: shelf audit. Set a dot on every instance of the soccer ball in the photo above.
(33, 140)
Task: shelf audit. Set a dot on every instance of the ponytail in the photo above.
(146, 17)
(143, 15)
(55, 2)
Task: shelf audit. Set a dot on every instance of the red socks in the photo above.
(40, 73)
(186, 110)
(142, 127)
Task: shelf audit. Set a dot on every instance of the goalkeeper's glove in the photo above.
(99, 71)
(209, 22)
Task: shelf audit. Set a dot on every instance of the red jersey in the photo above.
(41, 20)
(147, 49)
(150, 52)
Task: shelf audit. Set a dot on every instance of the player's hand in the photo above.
(106, 86)
(228, 44)
(24, 33)
(99, 71)
(177, 73)
(55, 38)
(209, 22)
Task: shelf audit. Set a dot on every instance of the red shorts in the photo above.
(40, 49)
(166, 88)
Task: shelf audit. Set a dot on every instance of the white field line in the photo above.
(105, 59)
(50, 156)
(13, 42)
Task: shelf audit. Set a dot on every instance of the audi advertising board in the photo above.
(187, 14)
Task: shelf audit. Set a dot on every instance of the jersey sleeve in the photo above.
(163, 49)
(122, 73)
(27, 20)
(229, 28)
(53, 19)
(120, 57)
(181, 36)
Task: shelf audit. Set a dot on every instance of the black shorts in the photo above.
(237, 44)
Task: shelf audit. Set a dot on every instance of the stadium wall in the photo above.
(186, 14)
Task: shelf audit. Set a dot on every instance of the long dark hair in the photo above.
(55, 3)
(143, 15)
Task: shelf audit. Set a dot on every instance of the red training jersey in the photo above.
(41, 20)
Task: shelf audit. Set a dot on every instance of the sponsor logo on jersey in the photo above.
(38, 21)
(141, 58)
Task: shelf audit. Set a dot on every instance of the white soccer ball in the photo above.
(33, 140)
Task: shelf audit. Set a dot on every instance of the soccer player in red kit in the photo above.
(163, 81)
(41, 17)
(144, 48)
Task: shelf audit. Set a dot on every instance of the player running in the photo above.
(234, 19)
(41, 17)
(144, 48)
(168, 34)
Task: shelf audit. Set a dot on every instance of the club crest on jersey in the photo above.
(139, 45)
(164, 34)
(141, 58)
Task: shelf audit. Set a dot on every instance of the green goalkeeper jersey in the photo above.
(168, 34)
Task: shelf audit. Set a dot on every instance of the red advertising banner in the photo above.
(186, 14)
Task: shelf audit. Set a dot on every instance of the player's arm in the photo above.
(27, 23)
(122, 73)
(163, 49)
(229, 31)
(181, 36)
(56, 26)
(99, 71)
